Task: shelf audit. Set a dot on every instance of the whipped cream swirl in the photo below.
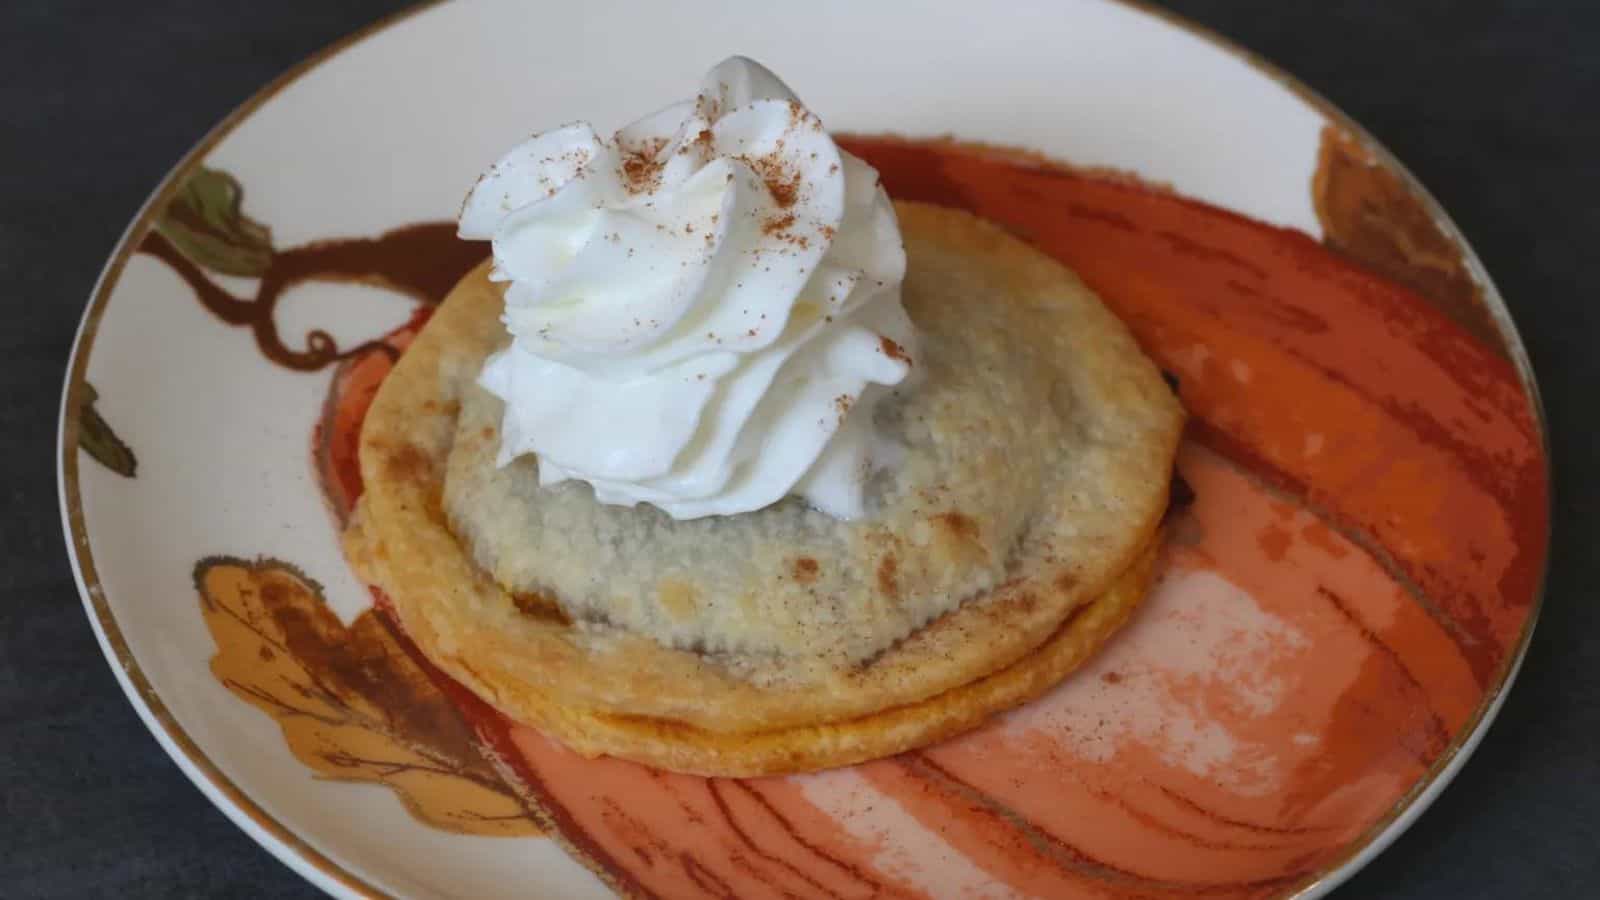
(705, 309)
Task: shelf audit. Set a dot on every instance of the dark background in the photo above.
(1496, 110)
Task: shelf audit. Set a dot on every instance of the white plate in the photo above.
(389, 128)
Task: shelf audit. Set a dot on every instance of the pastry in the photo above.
(895, 510)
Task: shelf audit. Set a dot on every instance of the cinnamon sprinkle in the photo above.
(640, 173)
(782, 182)
(777, 224)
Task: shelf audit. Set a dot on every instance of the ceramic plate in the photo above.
(1339, 613)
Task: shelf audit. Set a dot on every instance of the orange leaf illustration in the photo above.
(353, 705)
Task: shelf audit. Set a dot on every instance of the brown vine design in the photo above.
(353, 703)
(205, 230)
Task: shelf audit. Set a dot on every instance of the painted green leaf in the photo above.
(205, 223)
(98, 440)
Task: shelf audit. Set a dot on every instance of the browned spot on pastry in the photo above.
(487, 433)
(806, 570)
(958, 540)
(445, 408)
(895, 351)
(888, 585)
(677, 598)
(408, 462)
(540, 605)
(1111, 678)
(1065, 582)
(957, 524)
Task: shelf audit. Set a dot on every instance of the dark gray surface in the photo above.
(1494, 110)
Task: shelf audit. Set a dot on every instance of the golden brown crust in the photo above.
(673, 745)
(595, 686)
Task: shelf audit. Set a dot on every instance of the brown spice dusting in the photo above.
(785, 191)
(806, 570)
(1111, 678)
(640, 172)
(842, 403)
(827, 231)
(782, 182)
(777, 224)
(895, 351)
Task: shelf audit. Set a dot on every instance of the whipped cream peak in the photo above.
(704, 309)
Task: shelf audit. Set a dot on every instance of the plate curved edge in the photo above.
(328, 875)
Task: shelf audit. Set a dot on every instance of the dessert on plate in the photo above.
(726, 463)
